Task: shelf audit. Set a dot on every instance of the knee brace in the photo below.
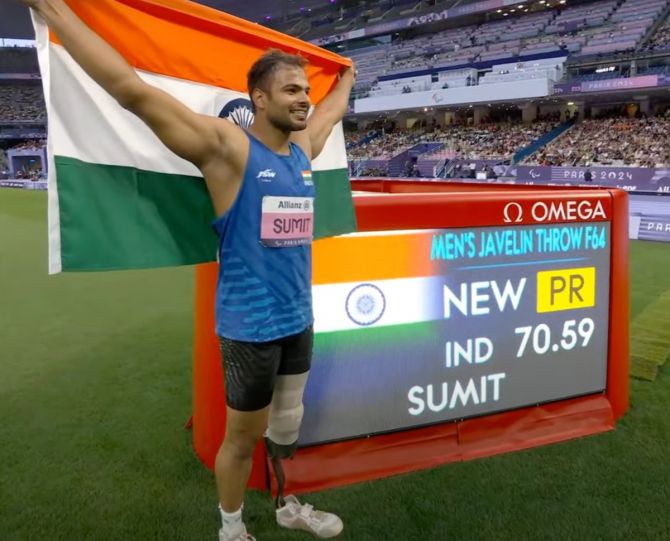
(285, 416)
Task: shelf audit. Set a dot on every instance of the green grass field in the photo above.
(95, 387)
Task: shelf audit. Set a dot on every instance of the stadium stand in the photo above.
(610, 141)
(33, 144)
(27, 159)
(593, 29)
(654, 70)
(21, 103)
(494, 51)
(625, 28)
(616, 141)
(389, 145)
(15, 60)
(492, 141)
(661, 38)
(4, 166)
(21, 98)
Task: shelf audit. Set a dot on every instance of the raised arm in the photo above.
(329, 112)
(196, 138)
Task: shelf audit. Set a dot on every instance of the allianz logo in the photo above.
(266, 174)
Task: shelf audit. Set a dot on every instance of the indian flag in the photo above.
(383, 282)
(307, 178)
(120, 199)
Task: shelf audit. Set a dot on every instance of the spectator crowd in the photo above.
(26, 166)
(636, 142)
(661, 38)
(611, 141)
(22, 103)
(4, 165)
(495, 140)
(388, 145)
(491, 140)
(34, 144)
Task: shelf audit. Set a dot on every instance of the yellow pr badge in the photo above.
(566, 289)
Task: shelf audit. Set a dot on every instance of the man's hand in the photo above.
(46, 8)
(327, 113)
(349, 71)
(189, 135)
(35, 4)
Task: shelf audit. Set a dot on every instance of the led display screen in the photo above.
(421, 327)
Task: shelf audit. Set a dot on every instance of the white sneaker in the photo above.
(297, 516)
(239, 536)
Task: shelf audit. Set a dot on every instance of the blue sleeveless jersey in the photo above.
(264, 289)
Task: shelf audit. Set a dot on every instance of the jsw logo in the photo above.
(266, 174)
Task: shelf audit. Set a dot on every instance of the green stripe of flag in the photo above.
(333, 208)
(115, 217)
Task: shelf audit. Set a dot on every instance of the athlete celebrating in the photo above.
(259, 183)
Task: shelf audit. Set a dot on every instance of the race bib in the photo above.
(287, 221)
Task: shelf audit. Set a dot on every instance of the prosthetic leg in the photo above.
(285, 417)
(281, 441)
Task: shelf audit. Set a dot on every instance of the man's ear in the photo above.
(258, 98)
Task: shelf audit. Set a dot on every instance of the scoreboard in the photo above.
(460, 321)
(446, 324)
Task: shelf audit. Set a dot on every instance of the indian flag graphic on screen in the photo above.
(118, 198)
(375, 280)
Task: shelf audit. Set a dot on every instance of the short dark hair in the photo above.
(262, 70)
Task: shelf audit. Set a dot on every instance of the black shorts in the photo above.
(251, 368)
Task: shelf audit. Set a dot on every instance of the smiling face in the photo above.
(285, 100)
(279, 90)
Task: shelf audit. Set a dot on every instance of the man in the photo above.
(263, 299)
